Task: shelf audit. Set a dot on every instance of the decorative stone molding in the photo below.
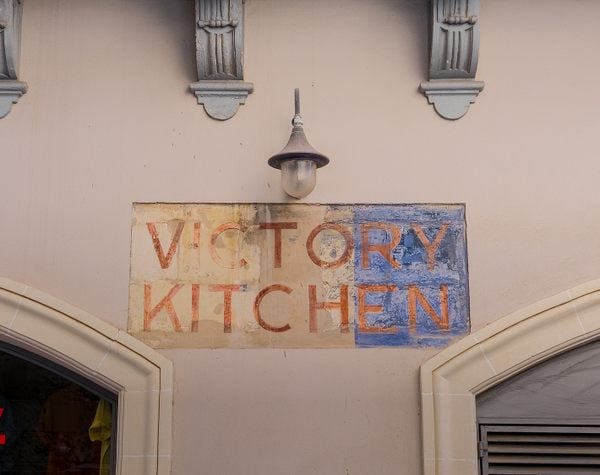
(454, 55)
(219, 55)
(221, 99)
(10, 43)
(140, 377)
(451, 380)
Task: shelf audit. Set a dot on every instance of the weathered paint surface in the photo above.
(297, 275)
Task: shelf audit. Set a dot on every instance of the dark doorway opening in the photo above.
(52, 420)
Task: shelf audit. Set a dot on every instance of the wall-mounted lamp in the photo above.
(298, 161)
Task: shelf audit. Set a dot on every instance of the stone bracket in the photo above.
(11, 89)
(221, 99)
(219, 55)
(10, 93)
(454, 55)
(451, 98)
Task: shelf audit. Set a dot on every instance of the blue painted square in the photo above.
(414, 287)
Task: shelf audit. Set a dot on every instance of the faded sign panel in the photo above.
(297, 275)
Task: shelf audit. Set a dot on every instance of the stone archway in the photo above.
(140, 376)
(452, 379)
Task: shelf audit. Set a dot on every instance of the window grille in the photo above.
(539, 449)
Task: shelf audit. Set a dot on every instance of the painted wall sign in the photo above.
(298, 275)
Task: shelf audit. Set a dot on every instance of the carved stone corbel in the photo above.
(219, 53)
(454, 54)
(11, 89)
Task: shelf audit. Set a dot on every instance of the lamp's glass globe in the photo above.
(298, 177)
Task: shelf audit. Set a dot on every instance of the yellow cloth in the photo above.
(101, 430)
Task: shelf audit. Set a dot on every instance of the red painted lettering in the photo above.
(364, 308)
(165, 261)
(195, 307)
(166, 302)
(277, 228)
(430, 247)
(345, 257)
(227, 291)
(314, 305)
(415, 295)
(385, 249)
(232, 264)
(197, 228)
(261, 295)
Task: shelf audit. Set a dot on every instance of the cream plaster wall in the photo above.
(108, 120)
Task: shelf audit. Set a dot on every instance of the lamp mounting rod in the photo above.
(297, 100)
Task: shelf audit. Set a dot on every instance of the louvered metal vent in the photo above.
(539, 450)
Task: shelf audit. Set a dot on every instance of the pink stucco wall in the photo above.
(108, 120)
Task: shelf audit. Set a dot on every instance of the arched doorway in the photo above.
(108, 358)
(451, 380)
(53, 421)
